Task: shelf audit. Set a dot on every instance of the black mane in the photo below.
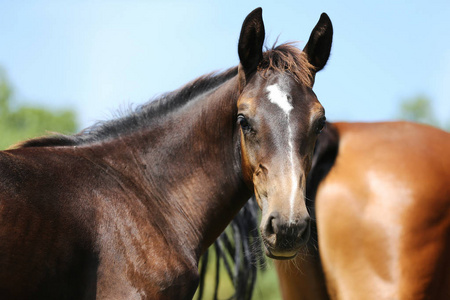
(140, 117)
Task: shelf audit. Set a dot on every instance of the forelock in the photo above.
(288, 58)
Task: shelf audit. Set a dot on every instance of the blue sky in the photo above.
(100, 56)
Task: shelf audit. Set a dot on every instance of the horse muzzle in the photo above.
(282, 238)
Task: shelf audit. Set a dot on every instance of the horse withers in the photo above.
(126, 208)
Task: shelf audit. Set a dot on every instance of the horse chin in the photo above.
(280, 255)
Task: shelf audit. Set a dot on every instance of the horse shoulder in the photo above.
(140, 272)
(139, 257)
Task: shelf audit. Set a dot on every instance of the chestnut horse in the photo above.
(382, 207)
(126, 208)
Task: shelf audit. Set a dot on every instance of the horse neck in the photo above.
(188, 165)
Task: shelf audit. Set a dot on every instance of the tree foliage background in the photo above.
(19, 122)
(420, 109)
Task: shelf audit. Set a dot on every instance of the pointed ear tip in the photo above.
(325, 18)
(257, 12)
(254, 14)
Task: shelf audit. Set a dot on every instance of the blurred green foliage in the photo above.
(420, 109)
(21, 122)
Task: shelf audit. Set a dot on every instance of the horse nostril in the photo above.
(272, 225)
(280, 235)
(304, 229)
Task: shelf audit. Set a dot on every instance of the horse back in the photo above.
(383, 213)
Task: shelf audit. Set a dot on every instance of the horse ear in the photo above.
(250, 45)
(319, 44)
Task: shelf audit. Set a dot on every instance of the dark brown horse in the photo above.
(382, 206)
(125, 209)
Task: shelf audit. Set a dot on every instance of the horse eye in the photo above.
(243, 122)
(320, 125)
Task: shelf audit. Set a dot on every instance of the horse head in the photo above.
(280, 118)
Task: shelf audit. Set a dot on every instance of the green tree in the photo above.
(418, 109)
(25, 122)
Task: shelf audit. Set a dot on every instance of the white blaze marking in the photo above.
(280, 98)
